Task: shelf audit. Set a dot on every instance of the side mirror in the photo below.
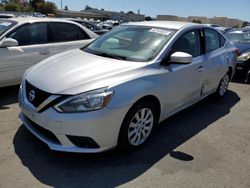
(8, 42)
(181, 57)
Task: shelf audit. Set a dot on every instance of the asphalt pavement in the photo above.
(206, 145)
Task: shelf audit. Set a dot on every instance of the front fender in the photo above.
(131, 91)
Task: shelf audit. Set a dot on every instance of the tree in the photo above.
(197, 21)
(87, 7)
(148, 18)
(26, 8)
(33, 3)
(1, 6)
(46, 8)
(16, 5)
(244, 24)
(12, 6)
(66, 8)
(131, 12)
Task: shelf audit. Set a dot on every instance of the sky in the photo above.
(239, 9)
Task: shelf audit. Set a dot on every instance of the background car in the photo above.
(213, 25)
(39, 15)
(7, 16)
(27, 41)
(223, 29)
(114, 91)
(241, 39)
(91, 26)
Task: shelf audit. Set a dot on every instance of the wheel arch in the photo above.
(230, 72)
(154, 100)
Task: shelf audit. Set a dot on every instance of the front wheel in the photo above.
(137, 126)
(223, 86)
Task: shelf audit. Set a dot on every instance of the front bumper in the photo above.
(101, 126)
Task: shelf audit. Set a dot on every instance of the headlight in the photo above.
(89, 101)
(244, 57)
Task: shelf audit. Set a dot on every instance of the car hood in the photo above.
(242, 46)
(76, 71)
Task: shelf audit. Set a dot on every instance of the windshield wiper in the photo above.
(111, 56)
(103, 54)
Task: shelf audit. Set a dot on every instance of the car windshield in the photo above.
(5, 25)
(131, 43)
(243, 37)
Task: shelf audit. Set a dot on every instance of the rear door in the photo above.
(216, 59)
(33, 47)
(67, 36)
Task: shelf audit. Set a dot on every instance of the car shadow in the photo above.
(114, 168)
(240, 78)
(8, 95)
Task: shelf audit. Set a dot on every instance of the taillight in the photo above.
(237, 52)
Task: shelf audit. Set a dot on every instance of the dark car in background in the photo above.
(241, 40)
(224, 29)
(91, 26)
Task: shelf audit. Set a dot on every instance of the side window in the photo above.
(188, 43)
(212, 41)
(30, 34)
(222, 40)
(64, 32)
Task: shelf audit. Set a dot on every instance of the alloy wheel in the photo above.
(140, 126)
(224, 85)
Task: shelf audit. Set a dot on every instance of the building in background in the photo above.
(113, 15)
(168, 17)
(80, 14)
(226, 22)
(102, 15)
(219, 20)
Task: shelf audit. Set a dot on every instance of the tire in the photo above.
(135, 130)
(223, 86)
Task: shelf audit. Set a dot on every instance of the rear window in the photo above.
(212, 40)
(64, 32)
(222, 40)
(239, 36)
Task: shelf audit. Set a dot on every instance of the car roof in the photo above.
(164, 24)
(30, 19)
(74, 19)
(243, 30)
(23, 20)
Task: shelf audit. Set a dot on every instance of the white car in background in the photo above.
(27, 41)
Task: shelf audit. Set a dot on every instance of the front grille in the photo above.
(46, 133)
(34, 95)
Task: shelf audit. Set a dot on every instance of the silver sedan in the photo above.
(114, 91)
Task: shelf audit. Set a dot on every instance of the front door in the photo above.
(33, 47)
(184, 81)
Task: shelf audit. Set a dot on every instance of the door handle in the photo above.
(45, 52)
(226, 60)
(200, 69)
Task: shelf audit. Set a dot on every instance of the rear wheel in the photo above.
(223, 86)
(137, 126)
